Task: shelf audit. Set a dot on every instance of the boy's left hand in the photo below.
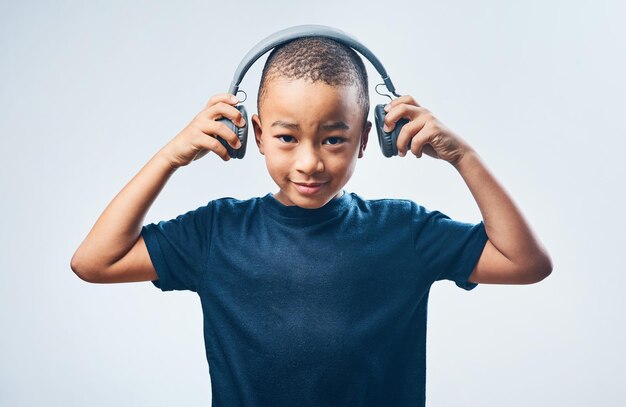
(428, 134)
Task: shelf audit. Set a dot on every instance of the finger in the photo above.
(221, 109)
(420, 140)
(408, 99)
(213, 144)
(397, 113)
(213, 128)
(408, 131)
(222, 97)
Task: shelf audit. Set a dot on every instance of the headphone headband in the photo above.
(387, 140)
(307, 30)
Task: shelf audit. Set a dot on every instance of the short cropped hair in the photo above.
(316, 59)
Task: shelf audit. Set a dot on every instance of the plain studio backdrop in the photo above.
(90, 91)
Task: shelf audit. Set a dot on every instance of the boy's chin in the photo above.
(312, 201)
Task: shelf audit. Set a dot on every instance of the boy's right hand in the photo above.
(198, 138)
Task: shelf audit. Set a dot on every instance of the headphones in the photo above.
(387, 140)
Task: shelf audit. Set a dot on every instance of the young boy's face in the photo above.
(312, 133)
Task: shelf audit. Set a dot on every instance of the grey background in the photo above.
(89, 91)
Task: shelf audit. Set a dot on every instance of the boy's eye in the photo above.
(335, 140)
(289, 138)
(331, 140)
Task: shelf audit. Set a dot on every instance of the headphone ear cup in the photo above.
(388, 141)
(241, 132)
(384, 138)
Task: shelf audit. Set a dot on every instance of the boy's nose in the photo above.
(309, 161)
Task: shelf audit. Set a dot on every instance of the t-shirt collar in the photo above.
(297, 213)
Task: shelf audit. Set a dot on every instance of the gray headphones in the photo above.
(387, 140)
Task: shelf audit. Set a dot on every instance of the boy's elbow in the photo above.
(542, 269)
(81, 270)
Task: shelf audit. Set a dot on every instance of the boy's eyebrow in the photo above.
(328, 126)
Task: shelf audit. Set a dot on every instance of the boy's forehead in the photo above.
(289, 100)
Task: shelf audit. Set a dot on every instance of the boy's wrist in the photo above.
(164, 162)
(467, 161)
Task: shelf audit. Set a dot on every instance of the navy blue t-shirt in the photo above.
(314, 307)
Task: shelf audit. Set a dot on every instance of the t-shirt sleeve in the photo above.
(179, 248)
(448, 249)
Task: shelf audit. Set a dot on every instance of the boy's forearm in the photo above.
(119, 226)
(505, 225)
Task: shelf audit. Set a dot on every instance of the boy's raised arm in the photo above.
(512, 254)
(117, 229)
(113, 250)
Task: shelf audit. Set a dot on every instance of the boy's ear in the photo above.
(364, 137)
(258, 131)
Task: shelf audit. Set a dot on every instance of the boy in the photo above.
(313, 295)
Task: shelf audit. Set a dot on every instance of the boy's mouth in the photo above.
(308, 184)
(308, 188)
